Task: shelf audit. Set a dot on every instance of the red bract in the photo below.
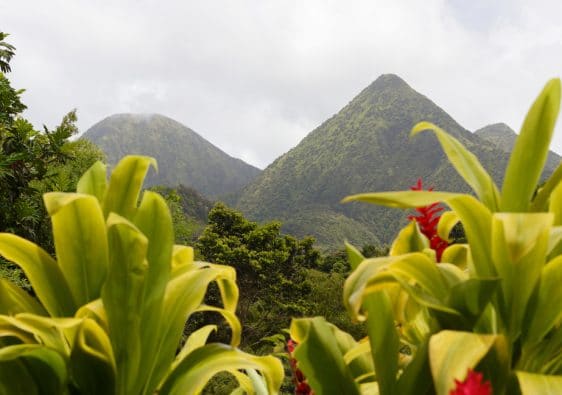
(427, 220)
(472, 385)
(301, 386)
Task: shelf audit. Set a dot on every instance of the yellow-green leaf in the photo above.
(125, 184)
(530, 151)
(452, 353)
(43, 273)
(93, 182)
(534, 384)
(467, 165)
(192, 374)
(80, 242)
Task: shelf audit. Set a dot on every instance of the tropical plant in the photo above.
(112, 307)
(489, 315)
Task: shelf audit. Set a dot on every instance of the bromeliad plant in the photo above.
(488, 317)
(112, 307)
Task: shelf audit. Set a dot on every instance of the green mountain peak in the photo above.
(365, 147)
(184, 157)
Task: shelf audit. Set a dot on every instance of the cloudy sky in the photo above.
(255, 76)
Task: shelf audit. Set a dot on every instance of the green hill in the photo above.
(184, 157)
(504, 138)
(364, 147)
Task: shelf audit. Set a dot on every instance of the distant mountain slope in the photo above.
(365, 147)
(184, 157)
(504, 138)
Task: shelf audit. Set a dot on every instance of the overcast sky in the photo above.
(255, 76)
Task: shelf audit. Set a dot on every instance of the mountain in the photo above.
(184, 157)
(364, 147)
(504, 138)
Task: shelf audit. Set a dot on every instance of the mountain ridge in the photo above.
(365, 147)
(184, 156)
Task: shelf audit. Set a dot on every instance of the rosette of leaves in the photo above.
(493, 305)
(111, 308)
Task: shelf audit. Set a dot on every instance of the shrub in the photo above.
(112, 307)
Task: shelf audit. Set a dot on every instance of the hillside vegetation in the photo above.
(184, 157)
(361, 148)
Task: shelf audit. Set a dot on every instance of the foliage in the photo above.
(489, 312)
(270, 268)
(7, 51)
(112, 307)
(189, 211)
(184, 157)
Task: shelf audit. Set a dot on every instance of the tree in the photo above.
(7, 51)
(33, 162)
(270, 267)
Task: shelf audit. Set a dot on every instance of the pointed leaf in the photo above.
(121, 294)
(354, 257)
(321, 359)
(384, 341)
(409, 239)
(533, 384)
(93, 181)
(466, 164)
(544, 312)
(80, 242)
(32, 369)
(529, 154)
(92, 363)
(193, 373)
(14, 300)
(43, 273)
(447, 222)
(125, 184)
(452, 353)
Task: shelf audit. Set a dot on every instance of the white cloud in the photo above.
(255, 76)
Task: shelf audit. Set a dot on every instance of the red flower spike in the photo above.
(301, 386)
(472, 385)
(427, 220)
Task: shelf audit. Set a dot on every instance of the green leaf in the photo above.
(466, 164)
(544, 311)
(383, 338)
(520, 243)
(153, 219)
(456, 254)
(197, 339)
(447, 222)
(93, 182)
(541, 200)
(188, 284)
(92, 363)
(353, 256)
(43, 273)
(416, 378)
(193, 372)
(321, 359)
(14, 300)
(409, 239)
(121, 295)
(452, 353)
(533, 384)
(529, 154)
(32, 369)
(79, 227)
(402, 199)
(125, 184)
